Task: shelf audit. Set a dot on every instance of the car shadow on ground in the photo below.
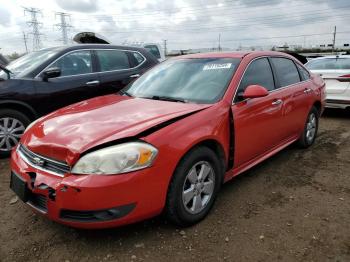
(336, 113)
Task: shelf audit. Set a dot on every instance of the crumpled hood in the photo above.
(68, 132)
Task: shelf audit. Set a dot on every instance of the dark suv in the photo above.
(46, 80)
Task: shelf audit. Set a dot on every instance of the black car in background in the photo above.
(45, 80)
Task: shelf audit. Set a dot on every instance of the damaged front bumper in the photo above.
(87, 201)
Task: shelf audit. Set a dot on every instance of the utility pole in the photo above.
(219, 43)
(34, 24)
(334, 35)
(165, 47)
(25, 41)
(63, 26)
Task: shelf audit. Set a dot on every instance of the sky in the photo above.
(184, 24)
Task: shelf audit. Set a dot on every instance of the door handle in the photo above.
(277, 102)
(135, 76)
(93, 83)
(307, 90)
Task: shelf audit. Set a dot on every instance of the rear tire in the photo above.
(12, 126)
(194, 187)
(310, 129)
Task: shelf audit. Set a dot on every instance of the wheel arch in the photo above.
(216, 147)
(318, 106)
(20, 107)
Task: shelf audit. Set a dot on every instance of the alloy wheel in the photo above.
(11, 130)
(311, 128)
(198, 187)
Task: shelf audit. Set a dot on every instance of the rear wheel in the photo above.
(310, 129)
(194, 187)
(12, 126)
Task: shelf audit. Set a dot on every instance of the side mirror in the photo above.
(255, 91)
(51, 73)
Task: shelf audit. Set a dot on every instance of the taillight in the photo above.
(344, 78)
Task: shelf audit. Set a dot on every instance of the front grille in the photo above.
(43, 163)
(38, 201)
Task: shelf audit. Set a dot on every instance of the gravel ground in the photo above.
(293, 207)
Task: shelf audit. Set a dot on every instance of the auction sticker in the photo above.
(217, 66)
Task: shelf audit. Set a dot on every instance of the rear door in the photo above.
(117, 68)
(76, 82)
(296, 93)
(257, 121)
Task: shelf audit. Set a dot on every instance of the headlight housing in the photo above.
(116, 159)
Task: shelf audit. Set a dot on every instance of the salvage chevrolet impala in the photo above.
(168, 141)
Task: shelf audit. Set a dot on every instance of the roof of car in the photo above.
(93, 46)
(234, 54)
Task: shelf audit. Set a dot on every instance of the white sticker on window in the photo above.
(217, 66)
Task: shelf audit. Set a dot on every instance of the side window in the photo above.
(303, 73)
(286, 71)
(153, 49)
(258, 73)
(75, 63)
(112, 60)
(138, 58)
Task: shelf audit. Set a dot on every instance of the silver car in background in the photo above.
(335, 70)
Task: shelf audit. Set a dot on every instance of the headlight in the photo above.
(116, 159)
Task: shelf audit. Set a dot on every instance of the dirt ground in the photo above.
(293, 207)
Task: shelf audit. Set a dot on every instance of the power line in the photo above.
(268, 20)
(63, 26)
(236, 5)
(232, 9)
(34, 24)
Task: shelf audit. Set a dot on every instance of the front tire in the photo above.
(12, 126)
(194, 187)
(310, 129)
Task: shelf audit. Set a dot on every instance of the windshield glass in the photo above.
(203, 80)
(329, 64)
(23, 65)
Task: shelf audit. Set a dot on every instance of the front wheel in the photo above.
(310, 129)
(12, 126)
(194, 187)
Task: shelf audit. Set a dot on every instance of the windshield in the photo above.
(23, 65)
(203, 80)
(329, 64)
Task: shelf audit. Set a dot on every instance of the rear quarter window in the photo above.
(153, 49)
(304, 74)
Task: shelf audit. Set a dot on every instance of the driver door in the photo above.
(77, 81)
(257, 120)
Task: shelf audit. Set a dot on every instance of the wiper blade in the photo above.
(123, 92)
(167, 98)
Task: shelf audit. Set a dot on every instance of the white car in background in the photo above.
(154, 48)
(335, 70)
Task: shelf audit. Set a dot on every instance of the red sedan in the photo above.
(168, 141)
